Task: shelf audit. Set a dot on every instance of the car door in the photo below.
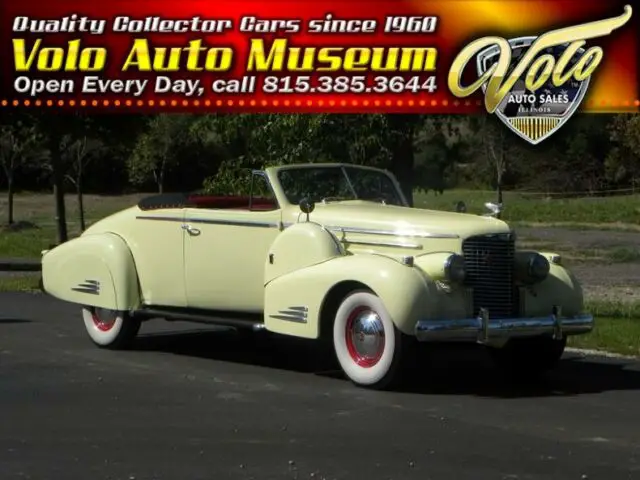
(226, 248)
(157, 245)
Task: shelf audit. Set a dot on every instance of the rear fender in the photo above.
(294, 302)
(94, 270)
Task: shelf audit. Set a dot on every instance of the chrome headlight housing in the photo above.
(531, 267)
(454, 269)
(538, 268)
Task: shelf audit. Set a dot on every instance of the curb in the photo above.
(601, 353)
(20, 265)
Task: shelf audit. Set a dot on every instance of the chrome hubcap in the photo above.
(365, 337)
(104, 319)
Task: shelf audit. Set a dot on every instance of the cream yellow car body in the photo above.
(289, 271)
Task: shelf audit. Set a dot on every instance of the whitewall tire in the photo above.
(110, 328)
(366, 342)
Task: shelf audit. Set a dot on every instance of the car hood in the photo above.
(402, 220)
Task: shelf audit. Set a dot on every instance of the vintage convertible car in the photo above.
(322, 251)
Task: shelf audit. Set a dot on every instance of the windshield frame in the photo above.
(273, 174)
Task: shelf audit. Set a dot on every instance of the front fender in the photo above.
(293, 302)
(95, 270)
(300, 246)
(561, 288)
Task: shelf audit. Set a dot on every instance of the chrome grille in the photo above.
(489, 262)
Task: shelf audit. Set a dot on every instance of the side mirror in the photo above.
(307, 206)
(461, 207)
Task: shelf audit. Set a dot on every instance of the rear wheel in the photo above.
(529, 356)
(111, 329)
(370, 349)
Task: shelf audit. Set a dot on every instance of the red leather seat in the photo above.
(231, 202)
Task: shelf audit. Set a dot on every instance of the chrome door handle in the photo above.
(190, 230)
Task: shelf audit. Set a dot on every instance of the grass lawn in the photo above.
(621, 212)
(611, 334)
(36, 223)
(22, 283)
(37, 214)
(617, 328)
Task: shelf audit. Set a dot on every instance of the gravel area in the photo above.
(580, 238)
(601, 280)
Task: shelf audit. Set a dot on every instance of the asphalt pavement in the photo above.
(194, 403)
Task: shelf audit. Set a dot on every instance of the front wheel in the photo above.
(529, 356)
(370, 349)
(110, 328)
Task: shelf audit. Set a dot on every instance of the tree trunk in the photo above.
(10, 199)
(501, 170)
(58, 187)
(80, 202)
(499, 185)
(402, 153)
(158, 177)
(403, 159)
(498, 188)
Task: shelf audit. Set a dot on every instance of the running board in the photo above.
(241, 320)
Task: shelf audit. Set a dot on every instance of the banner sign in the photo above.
(531, 63)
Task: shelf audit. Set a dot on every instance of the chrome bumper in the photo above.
(484, 329)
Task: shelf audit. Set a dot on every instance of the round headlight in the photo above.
(538, 267)
(454, 268)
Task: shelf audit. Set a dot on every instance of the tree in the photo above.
(236, 144)
(20, 143)
(626, 130)
(497, 150)
(400, 145)
(155, 152)
(385, 141)
(438, 150)
(55, 139)
(78, 153)
(54, 128)
(379, 140)
(227, 138)
(623, 160)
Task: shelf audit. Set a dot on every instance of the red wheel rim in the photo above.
(364, 335)
(103, 322)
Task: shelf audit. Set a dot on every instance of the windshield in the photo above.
(338, 183)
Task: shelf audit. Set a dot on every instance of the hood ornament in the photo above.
(495, 209)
